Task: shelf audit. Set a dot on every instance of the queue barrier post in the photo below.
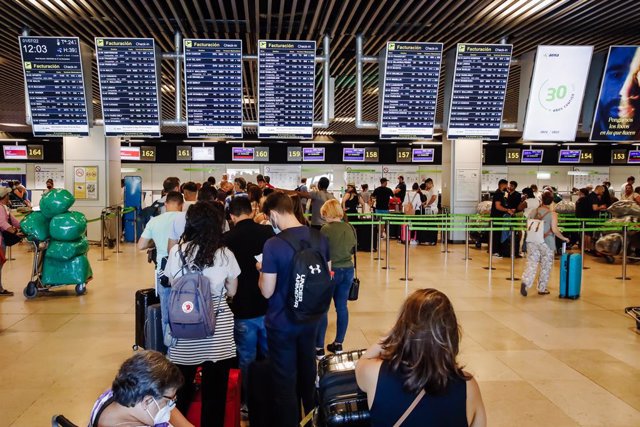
(379, 258)
(513, 254)
(387, 240)
(466, 238)
(490, 267)
(10, 258)
(371, 247)
(118, 228)
(624, 254)
(135, 225)
(445, 235)
(102, 235)
(582, 234)
(406, 277)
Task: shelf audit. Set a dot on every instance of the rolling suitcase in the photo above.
(260, 394)
(153, 337)
(144, 298)
(341, 402)
(363, 235)
(570, 275)
(232, 404)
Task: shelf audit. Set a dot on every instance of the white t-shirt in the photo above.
(414, 198)
(186, 204)
(532, 204)
(429, 194)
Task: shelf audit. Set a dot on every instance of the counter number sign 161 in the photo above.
(556, 97)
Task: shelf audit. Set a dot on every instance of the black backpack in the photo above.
(149, 212)
(311, 288)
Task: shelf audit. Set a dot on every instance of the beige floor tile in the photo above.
(533, 365)
(15, 401)
(7, 320)
(41, 323)
(485, 366)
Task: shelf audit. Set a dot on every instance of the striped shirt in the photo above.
(221, 345)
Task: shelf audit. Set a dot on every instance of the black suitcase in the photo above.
(153, 337)
(259, 394)
(341, 402)
(363, 234)
(144, 298)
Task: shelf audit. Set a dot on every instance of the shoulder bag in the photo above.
(354, 291)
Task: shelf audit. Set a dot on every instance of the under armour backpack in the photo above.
(310, 286)
(191, 311)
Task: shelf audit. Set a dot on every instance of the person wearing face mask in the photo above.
(142, 394)
(49, 186)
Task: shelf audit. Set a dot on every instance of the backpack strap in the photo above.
(410, 409)
(104, 406)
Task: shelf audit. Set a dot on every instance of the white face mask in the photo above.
(164, 414)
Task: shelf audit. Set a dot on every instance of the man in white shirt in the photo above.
(190, 193)
(171, 183)
(631, 180)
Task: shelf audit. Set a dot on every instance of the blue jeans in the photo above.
(164, 293)
(250, 336)
(342, 278)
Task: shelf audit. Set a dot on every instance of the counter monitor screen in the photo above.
(242, 154)
(634, 157)
(411, 81)
(130, 153)
(213, 88)
(353, 154)
(532, 156)
(479, 89)
(15, 152)
(569, 156)
(422, 155)
(202, 154)
(55, 87)
(127, 70)
(313, 154)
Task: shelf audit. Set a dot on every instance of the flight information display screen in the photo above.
(286, 88)
(353, 154)
(55, 85)
(213, 82)
(130, 153)
(422, 155)
(633, 156)
(202, 154)
(532, 156)
(410, 95)
(127, 70)
(313, 154)
(15, 152)
(242, 154)
(479, 89)
(569, 156)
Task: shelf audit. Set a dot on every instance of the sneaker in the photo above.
(523, 289)
(6, 293)
(319, 353)
(335, 348)
(244, 412)
(497, 255)
(413, 242)
(544, 292)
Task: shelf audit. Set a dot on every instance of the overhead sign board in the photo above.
(557, 90)
(410, 90)
(55, 86)
(213, 87)
(129, 90)
(479, 89)
(286, 88)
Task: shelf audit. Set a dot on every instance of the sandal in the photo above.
(545, 292)
(6, 293)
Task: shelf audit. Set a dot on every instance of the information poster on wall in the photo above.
(590, 176)
(617, 116)
(44, 172)
(491, 176)
(557, 89)
(85, 182)
(284, 176)
(359, 176)
(467, 185)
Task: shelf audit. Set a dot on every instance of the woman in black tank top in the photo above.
(412, 378)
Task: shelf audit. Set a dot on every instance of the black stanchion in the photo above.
(388, 243)
(513, 255)
(466, 239)
(624, 254)
(406, 277)
(490, 267)
(584, 267)
(379, 258)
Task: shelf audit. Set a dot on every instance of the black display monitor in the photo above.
(633, 157)
(313, 154)
(569, 156)
(532, 156)
(422, 155)
(242, 154)
(353, 154)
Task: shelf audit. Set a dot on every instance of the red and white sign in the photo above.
(15, 152)
(130, 153)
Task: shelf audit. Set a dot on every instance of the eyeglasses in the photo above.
(172, 401)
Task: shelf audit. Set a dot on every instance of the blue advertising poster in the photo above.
(286, 88)
(213, 81)
(55, 85)
(617, 116)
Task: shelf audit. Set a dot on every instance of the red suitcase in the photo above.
(232, 408)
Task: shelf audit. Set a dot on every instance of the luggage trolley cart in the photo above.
(36, 285)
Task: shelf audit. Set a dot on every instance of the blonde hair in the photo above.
(332, 210)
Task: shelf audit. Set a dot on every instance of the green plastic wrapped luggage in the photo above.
(68, 226)
(72, 272)
(56, 202)
(65, 251)
(35, 226)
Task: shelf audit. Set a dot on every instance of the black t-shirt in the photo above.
(513, 200)
(498, 196)
(246, 240)
(403, 190)
(583, 208)
(382, 196)
(594, 200)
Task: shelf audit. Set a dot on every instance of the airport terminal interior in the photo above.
(444, 129)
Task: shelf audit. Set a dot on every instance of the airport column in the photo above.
(461, 178)
(92, 174)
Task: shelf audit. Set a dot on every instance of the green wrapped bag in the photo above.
(65, 251)
(72, 272)
(35, 226)
(56, 202)
(68, 226)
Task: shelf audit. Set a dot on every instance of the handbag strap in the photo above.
(355, 252)
(410, 409)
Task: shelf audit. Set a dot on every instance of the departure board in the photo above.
(286, 84)
(633, 157)
(410, 95)
(127, 70)
(532, 156)
(312, 154)
(479, 88)
(54, 80)
(213, 87)
(569, 156)
(422, 155)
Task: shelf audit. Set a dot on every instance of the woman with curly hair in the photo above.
(412, 377)
(201, 247)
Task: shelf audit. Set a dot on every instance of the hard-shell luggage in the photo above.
(570, 275)
(403, 233)
(144, 298)
(153, 337)
(232, 405)
(260, 394)
(340, 400)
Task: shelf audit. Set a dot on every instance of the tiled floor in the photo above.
(540, 361)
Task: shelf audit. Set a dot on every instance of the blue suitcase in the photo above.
(570, 275)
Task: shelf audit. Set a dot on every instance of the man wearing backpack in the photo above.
(295, 278)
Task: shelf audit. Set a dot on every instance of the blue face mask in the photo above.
(275, 227)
